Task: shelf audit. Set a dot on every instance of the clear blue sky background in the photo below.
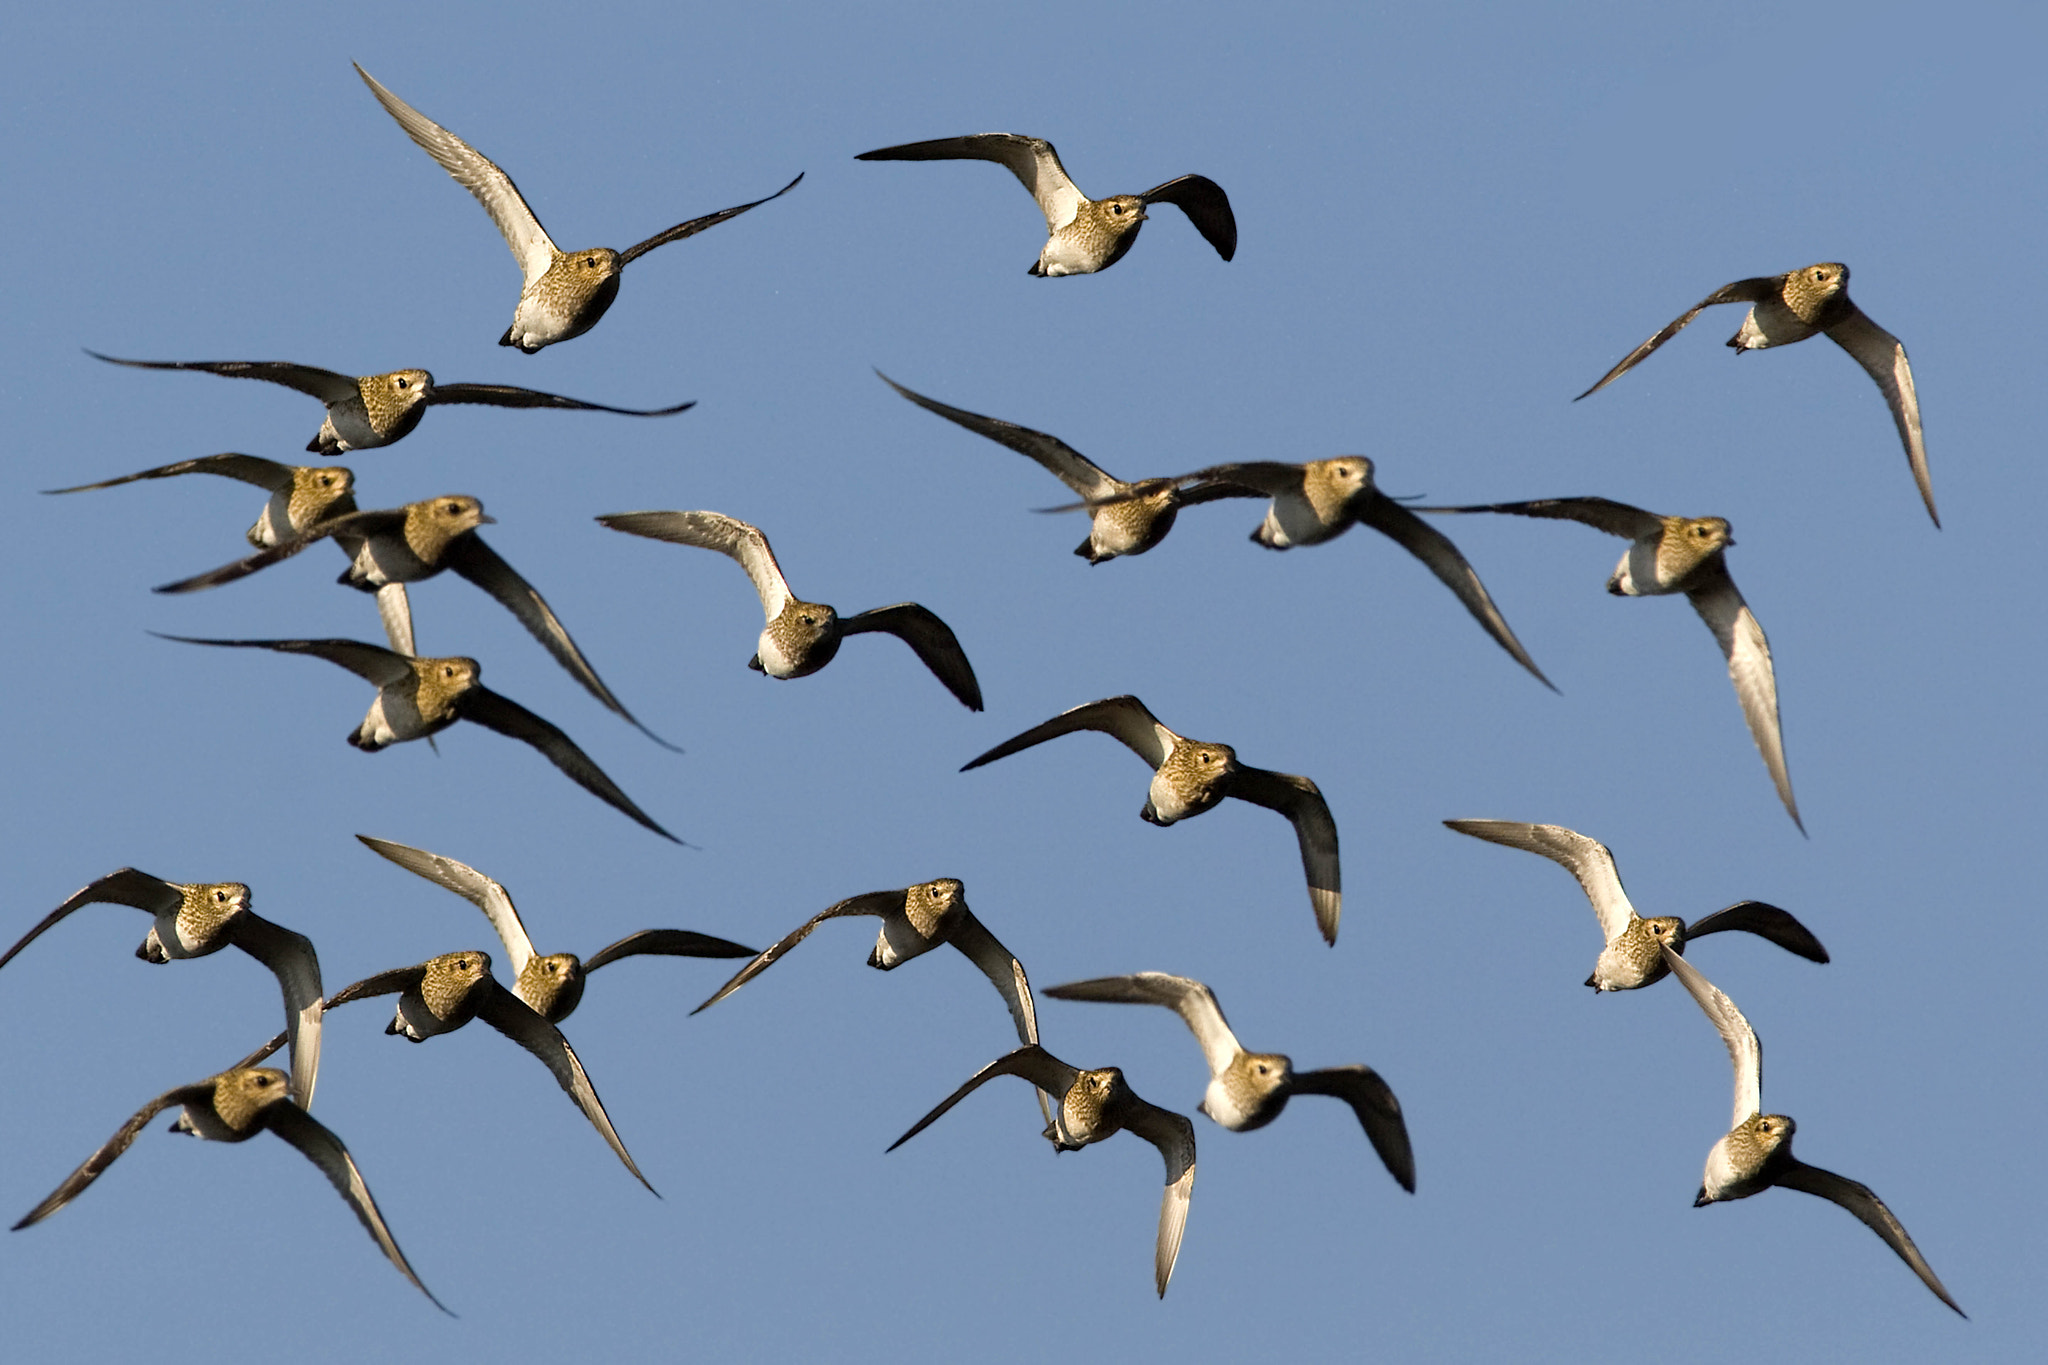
(1452, 221)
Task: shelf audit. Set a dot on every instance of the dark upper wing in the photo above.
(1765, 921)
(517, 1020)
(1125, 718)
(508, 717)
(697, 225)
(127, 886)
(291, 958)
(325, 385)
(326, 1151)
(1006, 974)
(1206, 206)
(1061, 460)
(1379, 1113)
(930, 638)
(349, 523)
(1434, 549)
(374, 663)
(267, 474)
(1602, 514)
(383, 983)
(1742, 291)
(666, 943)
(1031, 159)
(75, 1183)
(1881, 355)
(1302, 803)
(1858, 1199)
(509, 396)
(481, 565)
(882, 903)
(1031, 1061)
(1174, 1136)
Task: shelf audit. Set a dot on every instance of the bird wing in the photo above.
(1031, 159)
(1754, 290)
(715, 531)
(1031, 1062)
(473, 886)
(882, 903)
(517, 1020)
(1602, 514)
(126, 886)
(291, 958)
(1061, 460)
(508, 717)
(124, 1137)
(483, 566)
(1124, 718)
(383, 983)
(1744, 1051)
(512, 396)
(394, 609)
(931, 639)
(326, 1151)
(1434, 549)
(1880, 353)
(374, 663)
(697, 225)
(1006, 974)
(1586, 859)
(1194, 1002)
(1765, 921)
(1302, 803)
(265, 474)
(1174, 1136)
(325, 385)
(356, 525)
(1206, 206)
(1720, 605)
(1859, 1200)
(666, 943)
(1379, 1113)
(479, 175)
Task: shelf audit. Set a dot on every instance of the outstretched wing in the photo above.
(697, 225)
(373, 663)
(666, 943)
(1742, 291)
(1301, 801)
(1742, 641)
(265, 474)
(1765, 921)
(1379, 1113)
(1744, 1051)
(291, 959)
(325, 385)
(479, 175)
(511, 396)
(125, 886)
(1031, 1062)
(1602, 514)
(1031, 159)
(1123, 718)
(930, 638)
(729, 536)
(1174, 1136)
(508, 717)
(1859, 1200)
(882, 903)
(124, 1137)
(1586, 859)
(473, 886)
(1194, 1002)
(1880, 353)
(358, 524)
(1059, 459)
(1206, 206)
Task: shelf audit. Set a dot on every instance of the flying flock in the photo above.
(564, 295)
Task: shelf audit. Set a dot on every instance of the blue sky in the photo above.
(1451, 221)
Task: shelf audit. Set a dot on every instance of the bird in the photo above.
(1119, 524)
(565, 292)
(1792, 307)
(915, 920)
(1093, 1106)
(379, 409)
(417, 698)
(552, 985)
(1757, 1152)
(443, 993)
(1321, 500)
(1686, 554)
(802, 637)
(300, 495)
(392, 547)
(193, 919)
(235, 1106)
(1247, 1090)
(1083, 235)
(1189, 776)
(1632, 957)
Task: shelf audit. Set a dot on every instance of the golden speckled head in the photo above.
(395, 401)
(449, 979)
(316, 489)
(930, 904)
(1808, 292)
(805, 636)
(1331, 485)
(433, 522)
(239, 1096)
(1689, 542)
(1193, 770)
(553, 985)
(1083, 1107)
(441, 681)
(211, 903)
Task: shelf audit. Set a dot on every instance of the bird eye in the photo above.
(404, 383)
